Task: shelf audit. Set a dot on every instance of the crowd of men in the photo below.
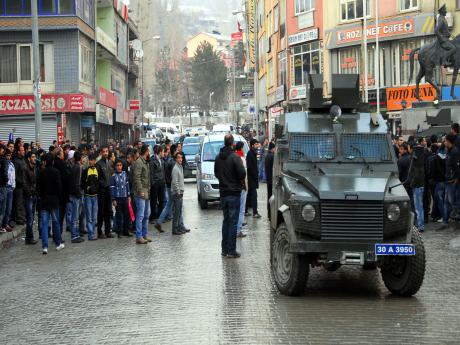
(82, 186)
(429, 169)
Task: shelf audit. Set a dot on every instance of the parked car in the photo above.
(206, 183)
(191, 140)
(190, 151)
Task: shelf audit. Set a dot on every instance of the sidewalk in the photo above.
(7, 238)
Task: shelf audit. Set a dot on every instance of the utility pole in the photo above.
(36, 59)
(377, 56)
(366, 99)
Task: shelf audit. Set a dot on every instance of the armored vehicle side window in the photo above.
(312, 146)
(372, 147)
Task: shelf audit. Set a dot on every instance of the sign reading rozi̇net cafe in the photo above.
(24, 104)
(396, 95)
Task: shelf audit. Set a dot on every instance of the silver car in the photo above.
(207, 184)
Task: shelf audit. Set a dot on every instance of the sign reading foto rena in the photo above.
(396, 96)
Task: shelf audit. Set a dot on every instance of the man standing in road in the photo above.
(230, 171)
(157, 181)
(269, 159)
(177, 194)
(253, 178)
(141, 187)
(452, 177)
(30, 195)
(104, 200)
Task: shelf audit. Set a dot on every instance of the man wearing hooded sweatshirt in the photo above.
(417, 181)
(230, 171)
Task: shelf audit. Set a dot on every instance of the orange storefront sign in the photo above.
(396, 95)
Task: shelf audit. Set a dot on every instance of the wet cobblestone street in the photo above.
(179, 290)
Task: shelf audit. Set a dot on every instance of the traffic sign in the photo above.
(247, 94)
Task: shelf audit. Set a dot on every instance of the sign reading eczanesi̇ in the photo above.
(304, 36)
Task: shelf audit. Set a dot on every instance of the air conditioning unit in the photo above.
(450, 19)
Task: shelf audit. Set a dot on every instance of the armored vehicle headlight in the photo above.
(308, 213)
(393, 212)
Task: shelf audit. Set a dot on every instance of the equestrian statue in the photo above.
(441, 52)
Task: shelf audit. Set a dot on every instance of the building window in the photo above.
(457, 4)
(18, 66)
(409, 5)
(276, 21)
(354, 9)
(302, 6)
(305, 59)
(282, 68)
(45, 7)
(8, 67)
(85, 64)
(271, 76)
(405, 47)
(270, 24)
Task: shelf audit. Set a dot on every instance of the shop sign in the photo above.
(276, 111)
(25, 104)
(134, 104)
(304, 36)
(87, 122)
(279, 93)
(107, 98)
(104, 114)
(306, 20)
(60, 134)
(121, 6)
(298, 92)
(397, 96)
(237, 36)
(394, 28)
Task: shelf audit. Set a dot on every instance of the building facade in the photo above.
(69, 79)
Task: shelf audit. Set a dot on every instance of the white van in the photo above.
(169, 130)
(223, 128)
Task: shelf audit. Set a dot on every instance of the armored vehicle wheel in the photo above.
(403, 275)
(290, 271)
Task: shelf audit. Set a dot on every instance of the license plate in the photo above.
(394, 249)
(193, 172)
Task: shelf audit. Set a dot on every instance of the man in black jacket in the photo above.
(104, 199)
(19, 213)
(253, 178)
(436, 172)
(50, 193)
(60, 165)
(417, 181)
(269, 159)
(166, 213)
(3, 184)
(157, 183)
(75, 196)
(452, 197)
(30, 195)
(229, 170)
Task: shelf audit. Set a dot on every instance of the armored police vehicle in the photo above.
(337, 199)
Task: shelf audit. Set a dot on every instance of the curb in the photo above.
(7, 238)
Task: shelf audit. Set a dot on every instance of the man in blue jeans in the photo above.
(417, 181)
(231, 173)
(141, 188)
(452, 178)
(90, 187)
(30, 195)
(73, 205)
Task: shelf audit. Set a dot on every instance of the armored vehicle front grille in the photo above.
(345, 220)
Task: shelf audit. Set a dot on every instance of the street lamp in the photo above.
(154, 38)
(210, 101)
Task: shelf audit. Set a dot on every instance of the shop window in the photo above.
(8, 67)
(282, 68)
(13, 7)
(354, 9)
(65, 7)
(302, 6)
(409, 5)
(305, 59)
(48, 7)
(405, 47)
(85, 64)
(19, 64)
(25, 63)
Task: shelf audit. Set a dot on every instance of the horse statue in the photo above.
(429, 57)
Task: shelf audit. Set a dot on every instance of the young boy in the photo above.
(90, 187)
(120, 197)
